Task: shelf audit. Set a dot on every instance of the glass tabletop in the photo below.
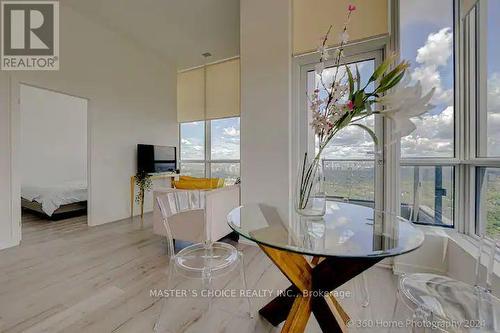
(346, 230)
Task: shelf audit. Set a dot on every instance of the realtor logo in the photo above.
(30, 35)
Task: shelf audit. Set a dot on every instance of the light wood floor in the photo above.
(68, 277)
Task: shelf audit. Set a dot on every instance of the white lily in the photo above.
(403, 103)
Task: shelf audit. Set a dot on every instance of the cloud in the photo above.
(437, 52)
(231, 131)
(225, 150)
(226, 143)
(433, 136)
(351, 142)
(435, 132)
(438, 48)
(190, 149)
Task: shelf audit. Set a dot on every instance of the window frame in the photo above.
(478, 113)
(304, 138)
(208, 161)
(470, 114)
(469, 109)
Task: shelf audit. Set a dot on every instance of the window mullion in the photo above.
(208, 148)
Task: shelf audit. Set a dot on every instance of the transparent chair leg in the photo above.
(169, 286)
(207, 285)
(420, 317)
(244, 281)
(365, 295)
(395, 312)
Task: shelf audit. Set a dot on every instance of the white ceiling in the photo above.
(178, 30)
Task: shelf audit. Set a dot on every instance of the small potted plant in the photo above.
(144, 182)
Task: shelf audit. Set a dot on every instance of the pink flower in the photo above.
(350, 105)
(352, 8)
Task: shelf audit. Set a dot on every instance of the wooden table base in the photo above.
(312, 284)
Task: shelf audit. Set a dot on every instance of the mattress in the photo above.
(52, 197)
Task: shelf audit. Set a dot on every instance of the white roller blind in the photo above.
(209, 93)
(191, 95)
(223, 90)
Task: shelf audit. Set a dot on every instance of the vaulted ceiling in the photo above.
(178, 30)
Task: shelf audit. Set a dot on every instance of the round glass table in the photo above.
(348, 240)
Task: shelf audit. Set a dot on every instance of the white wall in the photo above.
(131, 99)
(265, 56)
(7, 236)
(53, 137)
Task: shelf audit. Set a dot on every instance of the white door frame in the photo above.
(15, 134)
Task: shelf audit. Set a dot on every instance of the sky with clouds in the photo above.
(427, 42)
(225, 140)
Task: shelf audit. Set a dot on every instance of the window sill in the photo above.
(469, 246)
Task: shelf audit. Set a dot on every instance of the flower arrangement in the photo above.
(346, 103)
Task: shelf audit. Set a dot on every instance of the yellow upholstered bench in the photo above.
(193, 183)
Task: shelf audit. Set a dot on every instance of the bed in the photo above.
(55, 202)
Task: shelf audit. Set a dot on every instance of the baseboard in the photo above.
(8, 244)
(409, 269)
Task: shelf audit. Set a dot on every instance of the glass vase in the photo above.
(310, 196)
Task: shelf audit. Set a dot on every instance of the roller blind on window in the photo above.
(191, 95)
(223, 90)
(211, 92)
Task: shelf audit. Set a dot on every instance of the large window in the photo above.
(483, 59)
(211, 148)
(429, 154)
(450, 174)
(490, 30)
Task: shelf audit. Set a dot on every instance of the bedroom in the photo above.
(53, 156)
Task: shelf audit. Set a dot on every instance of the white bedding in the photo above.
(53, 197)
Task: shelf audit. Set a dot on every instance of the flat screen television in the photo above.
(156, 159)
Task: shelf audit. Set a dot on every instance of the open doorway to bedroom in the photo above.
(52, 158)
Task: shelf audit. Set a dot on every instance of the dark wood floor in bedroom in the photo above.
(68, 277)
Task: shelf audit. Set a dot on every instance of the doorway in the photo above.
(352, 163)
(53, 158)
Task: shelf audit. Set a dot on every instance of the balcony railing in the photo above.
(426, 192)
(350, 179)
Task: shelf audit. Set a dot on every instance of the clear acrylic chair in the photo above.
(205, 261)
(439, 303)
